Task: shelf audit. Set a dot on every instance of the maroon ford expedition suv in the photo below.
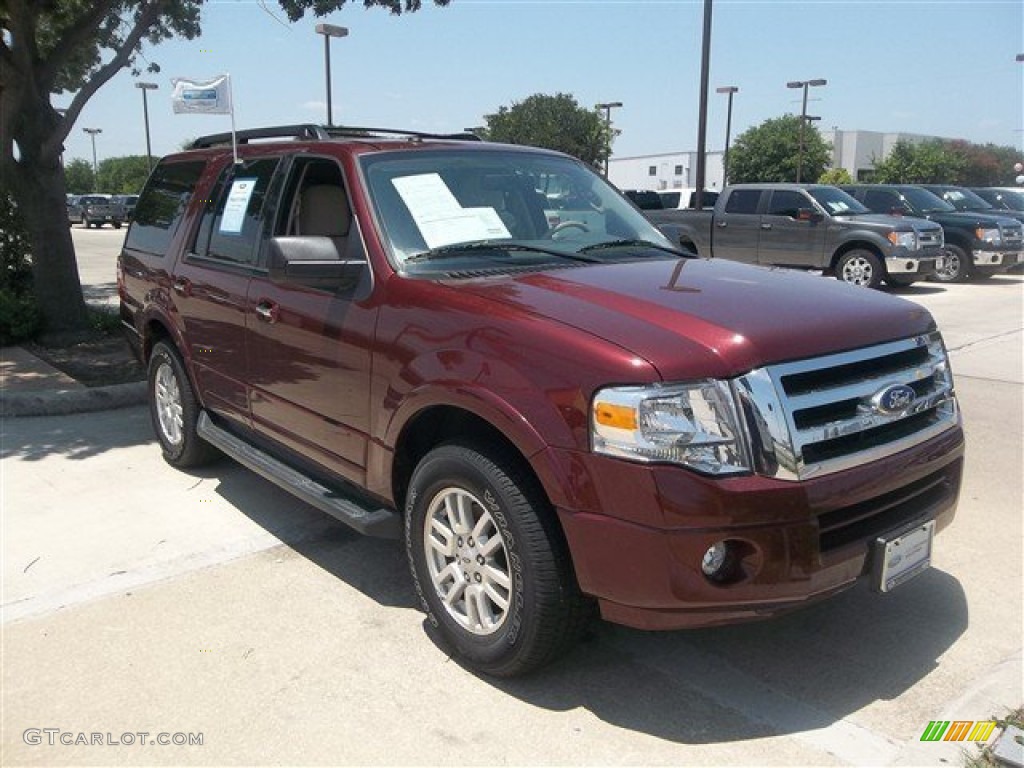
(487, 351)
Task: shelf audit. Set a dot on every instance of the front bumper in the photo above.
(922, 266)
(638, 548)
(1005, 259)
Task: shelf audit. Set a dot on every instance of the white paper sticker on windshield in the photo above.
(233, 218)
(440, 218)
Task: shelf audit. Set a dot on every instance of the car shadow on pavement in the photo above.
(795, 673)
(917, 289)
(75, 436)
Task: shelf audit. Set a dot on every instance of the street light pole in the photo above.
(702, 119)
(329, 31)
(608, 107)
(145, 114)
(803, 118)
(95, 168)
(729, 89)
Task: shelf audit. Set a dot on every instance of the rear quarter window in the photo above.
(161, 206)
(743, 201)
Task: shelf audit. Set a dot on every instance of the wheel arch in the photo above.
(857, 245)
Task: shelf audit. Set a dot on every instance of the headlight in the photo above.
(907, 240)
(695, 425)
(987, 235)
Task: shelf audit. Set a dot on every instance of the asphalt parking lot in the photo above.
(140, 599)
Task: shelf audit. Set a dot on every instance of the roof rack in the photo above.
(304, 131)
(312, 132)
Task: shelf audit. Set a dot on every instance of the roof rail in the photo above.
(303, 131)
(349, 130)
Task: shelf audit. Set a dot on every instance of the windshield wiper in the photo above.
(445, 251)
(633, 244)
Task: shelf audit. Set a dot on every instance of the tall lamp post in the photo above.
(329, 31)
(805, 84)
(145, 115)
(608, 107)
(95, 168)
(729, 89)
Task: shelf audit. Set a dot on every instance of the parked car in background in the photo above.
(808, 226)
(964, 199)
(686, 198)
(74, 209)
(978, 244)
(98, 210)
(1001, 198)
(127, 203)
(644, 199)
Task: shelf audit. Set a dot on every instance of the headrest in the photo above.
(323, 210)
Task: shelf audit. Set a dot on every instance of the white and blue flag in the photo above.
(211, 97)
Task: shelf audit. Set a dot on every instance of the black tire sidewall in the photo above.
(452, 465)
(963, 272)
(191, 450)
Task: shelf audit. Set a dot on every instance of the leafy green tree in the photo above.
(18, 315)
(985, 165)
(769, 152)
(554, 122)
(925, 162)
(123, 175)
(835, 177)
(77, 46)
(79, 177)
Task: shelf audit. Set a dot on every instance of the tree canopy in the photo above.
(938, 161)
(77, 46)
(769, 151)
(554, 122)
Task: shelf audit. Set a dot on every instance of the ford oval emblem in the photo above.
(894, 399)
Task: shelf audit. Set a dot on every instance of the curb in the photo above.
(64, 402)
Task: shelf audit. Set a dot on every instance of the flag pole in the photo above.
(234, 141)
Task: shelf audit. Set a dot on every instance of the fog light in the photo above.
(716, 560)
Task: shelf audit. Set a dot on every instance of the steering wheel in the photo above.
(564, 225)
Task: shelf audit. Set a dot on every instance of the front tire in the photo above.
(861, 268)
(489, 562)
(957, 268)
(175, 411)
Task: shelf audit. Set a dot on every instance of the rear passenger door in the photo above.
(211, 284)
(309, 348)
(736, 226)
(785, 239)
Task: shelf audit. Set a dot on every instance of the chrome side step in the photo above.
(382, 523)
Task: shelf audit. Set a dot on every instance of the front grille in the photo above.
(1012, 236)
(930, 238)
(889, 512)
(814, 417)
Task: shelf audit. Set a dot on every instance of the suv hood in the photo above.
(972, 219)
(697, 318)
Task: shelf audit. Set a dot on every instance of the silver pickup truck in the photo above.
(808, 226)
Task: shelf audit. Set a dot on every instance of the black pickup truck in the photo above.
(978, 244)
(808, 226)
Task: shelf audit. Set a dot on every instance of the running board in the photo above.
(382, 523)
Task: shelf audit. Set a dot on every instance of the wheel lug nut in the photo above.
(459, 541)
(470, 541)
(476, 577)
(480, 559)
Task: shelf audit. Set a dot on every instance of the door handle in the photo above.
(720, 224)
(766, 226)
(183, 286)
(267, 311)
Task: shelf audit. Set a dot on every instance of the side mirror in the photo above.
(809, 214)
(314, 262)
(898, 211)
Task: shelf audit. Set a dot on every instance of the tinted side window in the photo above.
(161, 206)
(881, 200)
(230, 230)
(743, 201)
(786, 202)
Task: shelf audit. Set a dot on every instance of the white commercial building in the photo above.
(856, 151)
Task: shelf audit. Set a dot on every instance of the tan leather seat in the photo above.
(324, 211)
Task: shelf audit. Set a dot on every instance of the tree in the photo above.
(985, 165)
(925, 162)
(123, 175)
(554, 122)
(78, 46)
(835, 177)
(769, 151)
(80, 180)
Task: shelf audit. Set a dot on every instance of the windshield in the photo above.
(924, 201)
(964, 199)
(500, 207)
(837, 202)
(1011, 199)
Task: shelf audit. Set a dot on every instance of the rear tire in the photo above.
(861, 268)
(489, 563)
(175, 411)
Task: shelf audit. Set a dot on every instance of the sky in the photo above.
(936, 67)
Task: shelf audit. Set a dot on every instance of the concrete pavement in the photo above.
(139, 598)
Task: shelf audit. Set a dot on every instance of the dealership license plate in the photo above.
(904, 557)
